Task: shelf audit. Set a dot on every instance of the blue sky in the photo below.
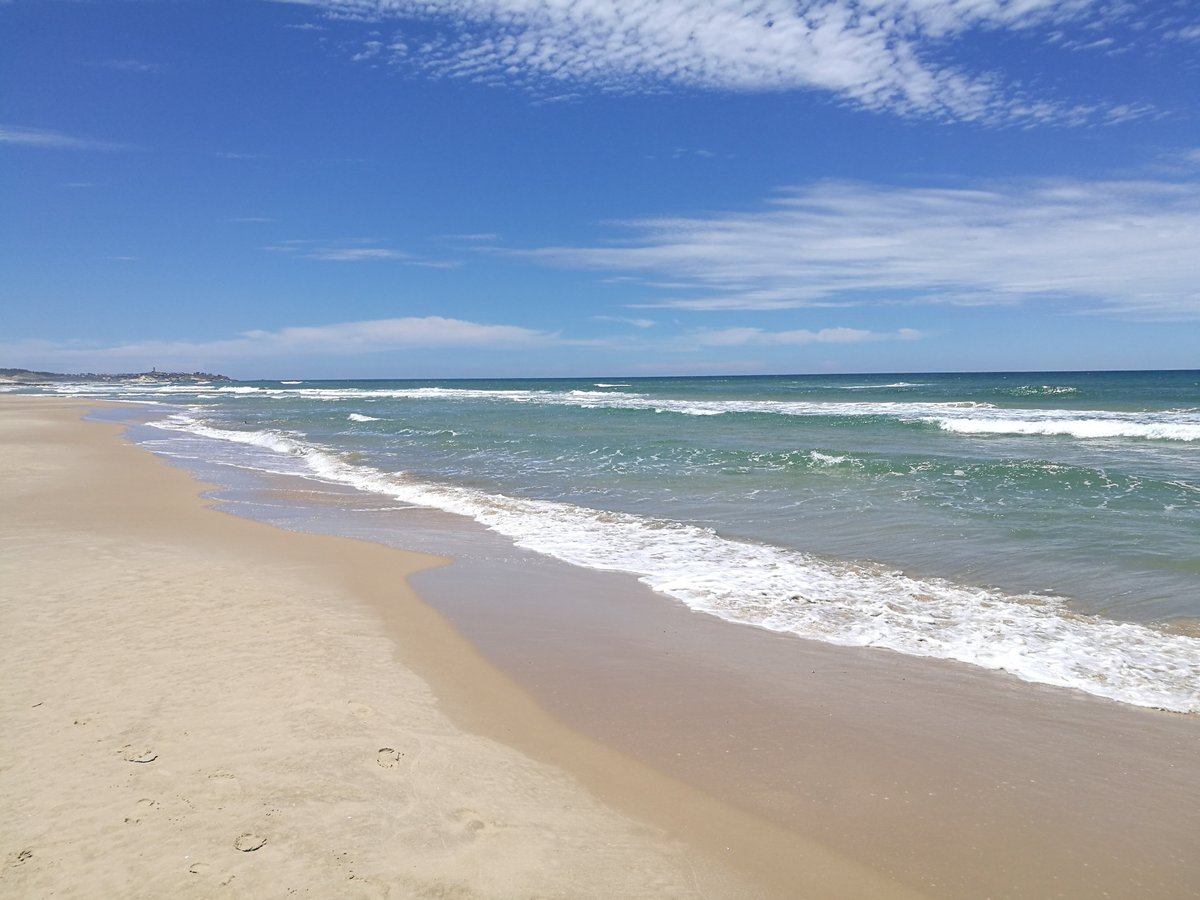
(413, 188)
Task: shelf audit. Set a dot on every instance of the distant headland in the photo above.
(27, 376)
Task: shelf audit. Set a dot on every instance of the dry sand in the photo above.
(200, 706)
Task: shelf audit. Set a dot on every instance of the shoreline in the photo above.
(183, 685)
(951, 779)
(806, 768)
(954, 780)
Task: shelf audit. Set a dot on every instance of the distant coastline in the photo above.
(28, 376)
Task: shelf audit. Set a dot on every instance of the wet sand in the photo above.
(956, 781)
(198, 705)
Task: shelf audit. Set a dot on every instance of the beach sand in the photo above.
(956, 781)
(197, 705)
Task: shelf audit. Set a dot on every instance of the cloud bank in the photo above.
(1118, 247)
(344, 345)
(340, 339)
(893, 55)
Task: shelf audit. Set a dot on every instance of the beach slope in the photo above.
(197, 706)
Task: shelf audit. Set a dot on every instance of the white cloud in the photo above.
(386, 334)
(881, 54)
(252, 347)
(24, 136)
(1120, 247)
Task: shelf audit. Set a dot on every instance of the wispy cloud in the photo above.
(1116, 247)
(477, 237)
(1188, 33)
(353, 250)
(43, 138)
(136, 66)
(740, 337)
(357, 254)
(626, 320)
(891, 55)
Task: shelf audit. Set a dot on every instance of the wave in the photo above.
(961, 417)
(870, 387)
(1032, 637)
(359, 417)
(1091, 427)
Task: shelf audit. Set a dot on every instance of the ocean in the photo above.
(1046, 525)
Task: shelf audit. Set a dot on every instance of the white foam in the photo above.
(1035, 390)
(359, 417)
(960, 417)
(824, 459)
(1091, 426)
(1033, 638)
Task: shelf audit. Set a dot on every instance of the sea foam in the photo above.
(1032, 637)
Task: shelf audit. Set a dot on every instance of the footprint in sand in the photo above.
(203, 868)
(362, 710)
(388, 758)
(139, 756)
(247, 842)
(469, 820)
(143, 806)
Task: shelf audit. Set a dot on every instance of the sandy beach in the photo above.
(198, 705)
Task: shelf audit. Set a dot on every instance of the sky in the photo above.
(487, 188)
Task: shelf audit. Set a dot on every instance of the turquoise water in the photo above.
(1045, 524)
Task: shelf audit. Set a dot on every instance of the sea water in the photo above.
(1042, 524)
